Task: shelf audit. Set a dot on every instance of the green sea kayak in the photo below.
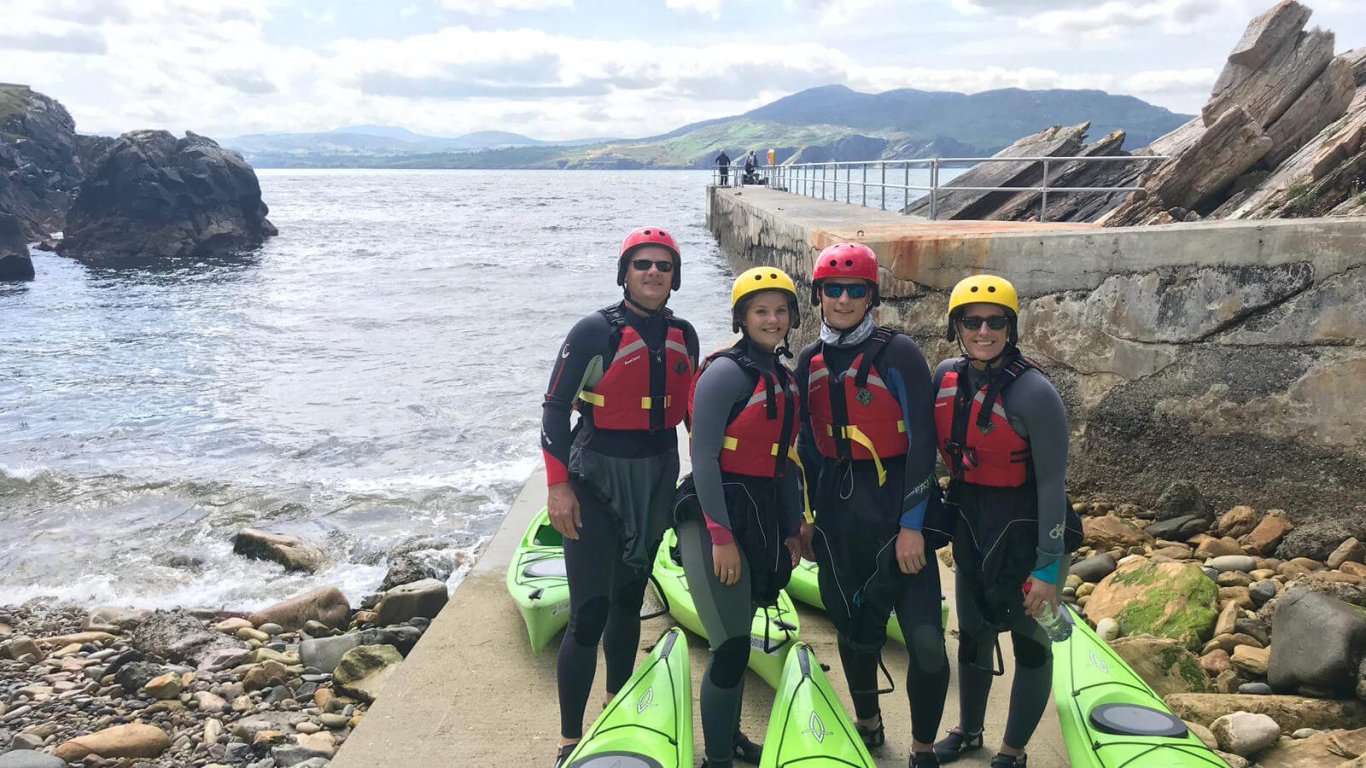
(808, 726)
(536, 580)
(1110, 717)
(805, 588)
(649, 722)
(772, 634)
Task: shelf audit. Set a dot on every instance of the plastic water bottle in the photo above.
(1056, 620)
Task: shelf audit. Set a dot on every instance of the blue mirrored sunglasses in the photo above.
(855, 290)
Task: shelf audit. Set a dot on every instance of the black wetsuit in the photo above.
(857, 522)
(616, 475)
(774, 504)
(1036, 413)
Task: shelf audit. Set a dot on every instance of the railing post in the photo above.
(906, 187)
(1043, 205)
(882, 166)
(865, 185)
(848, 183)
(934, 188)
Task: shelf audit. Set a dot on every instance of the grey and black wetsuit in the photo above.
(859, 513)
(624, 480)
(1004, 535)
(758, 513)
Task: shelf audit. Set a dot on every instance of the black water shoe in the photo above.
(956, 744)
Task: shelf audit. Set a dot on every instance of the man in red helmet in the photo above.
(868, 437)
(627, 370)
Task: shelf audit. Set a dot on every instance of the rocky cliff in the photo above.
(39, 164)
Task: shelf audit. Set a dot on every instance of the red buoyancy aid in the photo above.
(760, 437)
(853, 413)
(641, 389)
(978, 449)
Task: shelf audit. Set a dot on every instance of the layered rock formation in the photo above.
(152, 196)
(15, 263)
(1282, 136)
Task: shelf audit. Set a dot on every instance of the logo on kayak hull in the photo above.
(816, 728)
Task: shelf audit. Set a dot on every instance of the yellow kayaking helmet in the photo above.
(758, 279)
(984, 289)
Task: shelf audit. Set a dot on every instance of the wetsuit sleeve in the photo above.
(909, 376)
(574, 363)
(1034, 402)
(790, 496)
(718, 389)
(806, 440)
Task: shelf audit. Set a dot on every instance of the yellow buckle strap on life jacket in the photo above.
(647, 402)
(730, 443)
(852, 432)
(592, 398)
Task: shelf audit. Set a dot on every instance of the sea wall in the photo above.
(1230, 354)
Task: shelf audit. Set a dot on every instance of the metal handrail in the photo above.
(815, 179)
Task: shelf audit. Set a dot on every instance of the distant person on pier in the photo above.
(723, 164)
(867, 441)
(1003, 434)
(739, 513)
(750, 162)
(627, 369)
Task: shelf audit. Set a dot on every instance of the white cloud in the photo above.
(499, 7)
(1119, 17)
(710, 8)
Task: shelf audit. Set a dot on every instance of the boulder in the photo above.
(1177, 528)
(1264, 539)
(153, 197)
(134, 675)
(326, 605)
(363, 671)
(1109, 532)
(131, 740)
(326, 652)
(1325, 100)
(1268, 33)
(1251, 661)
(15, 262)
(166, 686)
(179, 636)
(423, 598)
(1093, 569)
(1261, 592)
(1290, 712)
(1335, 749)
(1181, 498)
(1350, 551)
(1215, 661)
(1318, 540)
(1212, 547)
(1245, 733)
(24, 758)
(1227, 623)
(1164, 664)
(1238, 521)
(1319, 645)
(1225, 563)
(1174, 600)
(288, 551)
(417, 566)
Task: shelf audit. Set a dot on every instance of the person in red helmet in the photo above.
(627, 370)
(868, 439)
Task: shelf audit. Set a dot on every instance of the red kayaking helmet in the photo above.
(649, 236)
(844, 260)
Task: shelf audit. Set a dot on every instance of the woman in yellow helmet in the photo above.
(1002, 432)
(739, 517)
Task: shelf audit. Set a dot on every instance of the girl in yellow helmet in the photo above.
(1002, 432)
(739, 517)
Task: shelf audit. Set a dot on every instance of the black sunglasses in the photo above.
(973, 322)
(855, 290)
(644, 265)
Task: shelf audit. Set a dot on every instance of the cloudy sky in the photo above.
(557, 69)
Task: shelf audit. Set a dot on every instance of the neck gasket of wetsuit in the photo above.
(663, 310)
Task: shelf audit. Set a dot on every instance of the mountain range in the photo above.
(818, 124)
